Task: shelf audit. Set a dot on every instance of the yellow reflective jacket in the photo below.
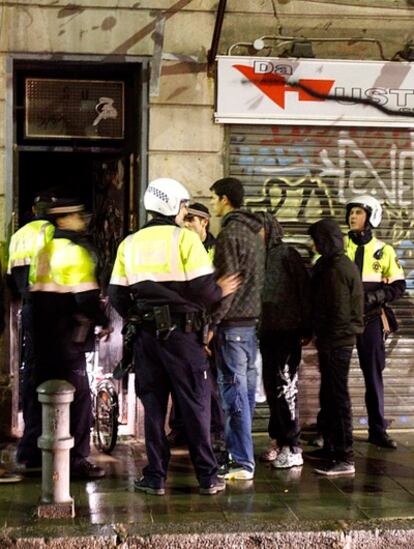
(25, 245)
(163, 264)
(380, 264)
(163, 253)
(64, 267)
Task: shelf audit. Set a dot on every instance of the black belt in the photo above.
(186, 322)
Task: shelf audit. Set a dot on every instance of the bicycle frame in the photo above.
(105, 403)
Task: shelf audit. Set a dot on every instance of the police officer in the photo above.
(198, 220)
(383, 280)
(24, 247)
(164, 273)
(66, 308)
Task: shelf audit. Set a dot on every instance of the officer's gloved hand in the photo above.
(375, 298)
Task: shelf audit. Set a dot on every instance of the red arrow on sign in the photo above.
(275, 86)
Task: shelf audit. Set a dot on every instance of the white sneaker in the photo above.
(270, 454)
(236, 472)
(287, 459)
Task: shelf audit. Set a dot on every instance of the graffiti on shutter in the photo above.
(302, 174)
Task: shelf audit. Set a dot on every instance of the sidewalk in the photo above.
(292, 508)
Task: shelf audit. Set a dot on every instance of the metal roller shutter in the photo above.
(302, 174)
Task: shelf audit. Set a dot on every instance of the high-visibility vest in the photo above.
(380, 261)
(160, 253)
(64, 267)
(26, 243)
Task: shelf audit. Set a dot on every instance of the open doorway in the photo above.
(100, 181)
(101, 167)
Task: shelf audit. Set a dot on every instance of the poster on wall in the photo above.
(266, 90)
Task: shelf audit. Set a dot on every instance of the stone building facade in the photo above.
(160, 49)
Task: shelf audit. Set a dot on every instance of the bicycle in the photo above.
(105, 403)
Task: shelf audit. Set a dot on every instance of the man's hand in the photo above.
(207, 349)
(229, 283)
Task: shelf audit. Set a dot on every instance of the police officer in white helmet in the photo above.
(383, 280)
(164, 276)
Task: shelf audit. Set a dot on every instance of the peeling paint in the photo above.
(108, 23)
(70, 10)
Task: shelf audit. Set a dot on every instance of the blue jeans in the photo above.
(235, 355)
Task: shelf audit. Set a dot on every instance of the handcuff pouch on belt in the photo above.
(388, 320)
(129, 332)
(163, 323)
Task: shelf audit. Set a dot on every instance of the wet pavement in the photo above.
(379, 497)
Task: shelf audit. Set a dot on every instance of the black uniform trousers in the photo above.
(281, 354)
(59, 357)
(336, 403)
(371, 353)
(80, 417)
(27, 450)
(179, 365)
(217, 417)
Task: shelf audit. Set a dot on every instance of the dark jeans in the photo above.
(335, 402)
(281, 354)
(371, 353)
(177, 365)
(235, 355)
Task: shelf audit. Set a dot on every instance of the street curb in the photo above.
(321, 535)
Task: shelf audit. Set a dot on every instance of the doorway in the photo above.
(100, 181)
(102, 168)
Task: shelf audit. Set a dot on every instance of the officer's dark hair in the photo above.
(230, 187)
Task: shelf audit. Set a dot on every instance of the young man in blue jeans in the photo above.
(239, 249)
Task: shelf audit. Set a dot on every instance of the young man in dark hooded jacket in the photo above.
(239, 249)
(285, 326)
(337, 311)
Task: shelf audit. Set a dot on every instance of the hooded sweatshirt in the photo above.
(337, 292)
(286, 291)
(239, 249)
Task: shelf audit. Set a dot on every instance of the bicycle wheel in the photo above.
(106, 418)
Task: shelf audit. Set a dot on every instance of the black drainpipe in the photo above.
(211, 57)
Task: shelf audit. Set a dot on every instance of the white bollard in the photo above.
(55, 396)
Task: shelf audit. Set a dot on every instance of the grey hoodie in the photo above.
(240, 249)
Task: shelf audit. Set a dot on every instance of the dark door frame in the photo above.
(138, 161)
(138, 166)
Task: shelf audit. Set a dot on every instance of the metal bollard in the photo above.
(55, 502)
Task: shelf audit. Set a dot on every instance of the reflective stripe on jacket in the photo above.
(26, 243)
(64, 267)
(163, 253)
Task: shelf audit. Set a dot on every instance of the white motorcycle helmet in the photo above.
(370, 204)
(164, 196)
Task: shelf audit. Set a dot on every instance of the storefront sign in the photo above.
(266, 90)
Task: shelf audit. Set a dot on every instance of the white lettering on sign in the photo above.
(105, 109)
